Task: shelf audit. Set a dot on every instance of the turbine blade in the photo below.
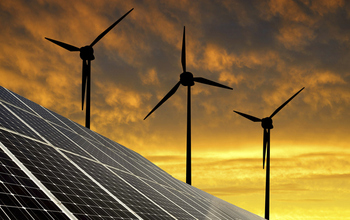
(265, 140)
(183, 53)
(284, 104)
(209, 82)
(166, 97)
(252, 118)
(84, 81)
(108, 29)
(64, 45)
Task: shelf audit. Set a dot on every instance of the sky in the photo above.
(265, 50)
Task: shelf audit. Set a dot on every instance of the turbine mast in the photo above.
(188, 148)
(267, 188)
(88, 96)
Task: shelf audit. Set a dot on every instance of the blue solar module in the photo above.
(54, 168)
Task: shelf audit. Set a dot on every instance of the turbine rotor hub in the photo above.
(87, 53)
(186, 79)
(266, 123)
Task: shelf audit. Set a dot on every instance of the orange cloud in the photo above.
(323, 7)
(150, 78)
(288, 10)
(295, 37)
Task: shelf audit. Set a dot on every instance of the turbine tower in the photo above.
(87, 54)
(266, 124)
(187, 79)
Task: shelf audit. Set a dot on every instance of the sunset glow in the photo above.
(265, 50)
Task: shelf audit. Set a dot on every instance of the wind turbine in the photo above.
(266, 124)
(187, 79)
(87, 54)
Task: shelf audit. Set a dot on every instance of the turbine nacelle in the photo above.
(186, 79)
(266, 123)
(87, 53)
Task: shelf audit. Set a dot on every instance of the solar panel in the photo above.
(54, 168)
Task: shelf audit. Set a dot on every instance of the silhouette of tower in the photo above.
(187, 79)
(87, 55)
(266, 124)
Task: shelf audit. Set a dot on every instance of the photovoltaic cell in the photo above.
(155, 195)
(9, 121)
(142, 206)
(95, 149)
(54, 168)
(38, 109)
(195, 213)
(9, 97)
(49, 132)
(83, 131)
(20, 197)
(65, 181)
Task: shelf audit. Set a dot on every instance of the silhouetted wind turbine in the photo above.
(187, 79)
(87, 54)
(266, 123)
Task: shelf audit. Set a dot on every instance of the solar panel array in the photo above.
(54, 168)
